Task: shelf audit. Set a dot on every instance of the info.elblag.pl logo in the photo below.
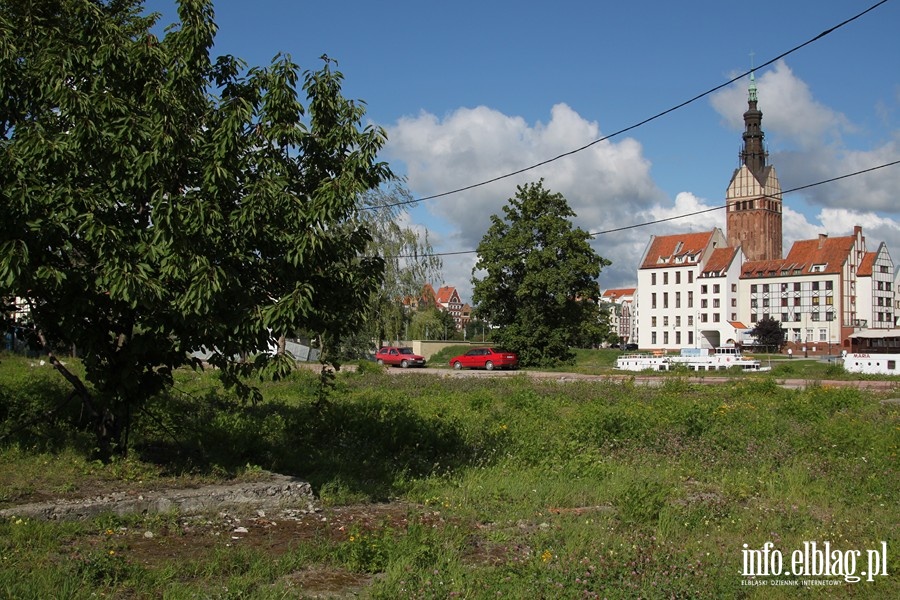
(829, 566)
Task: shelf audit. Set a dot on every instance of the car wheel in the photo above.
(457, 365)
(489, 366)
(404, 364)
(380, 362)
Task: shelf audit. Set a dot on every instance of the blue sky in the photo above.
(468, 91)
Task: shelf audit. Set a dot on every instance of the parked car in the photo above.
(399, 357)
(485, 358)
(631, 346)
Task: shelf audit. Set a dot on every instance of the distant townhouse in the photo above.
(623, 313)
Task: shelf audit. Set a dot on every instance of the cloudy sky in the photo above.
(471, 91)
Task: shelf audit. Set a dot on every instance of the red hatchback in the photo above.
(399, 357)
(485, 358)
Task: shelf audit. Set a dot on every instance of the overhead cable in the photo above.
(636, 125)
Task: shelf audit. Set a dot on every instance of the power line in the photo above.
(636, 125)
(682, 216)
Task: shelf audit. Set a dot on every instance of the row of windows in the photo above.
(795, 286)
(822, 337)
(794, 317)
(884, 286)
(665, 277)
(813, 301)
(665, 337)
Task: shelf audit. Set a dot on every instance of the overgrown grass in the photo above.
(521, 487)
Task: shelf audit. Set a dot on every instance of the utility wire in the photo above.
(636, 125)
(682, 216)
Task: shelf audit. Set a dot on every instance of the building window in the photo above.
(753, 289)
(665, 321)
(734, 316)
(703, 317)
(677, 277)
(830, 284)
(653, 321)
(734, 303)
(690, 277)
(653, 300)
(715, 317)
(823, 335)
(690, 338)
(796, 286)
(652, 278)
(690, 300)
(665, 337)
(677, 299)
(784, 317)
(753, 318)
(665, 299)
(653, 338)
(784, 301)
(666, 278)
(677, 321)
(703, 303)
(715, 303)
(703, 289)
(734, 288)
(690, 320)
(678, 338)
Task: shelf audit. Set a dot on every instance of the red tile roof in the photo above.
(665, 248)
(719, 260)
(830, 253)
(619, 292)
(445, 294)
(867, 266)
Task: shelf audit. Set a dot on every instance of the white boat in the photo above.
(872, 364)
(692, 359)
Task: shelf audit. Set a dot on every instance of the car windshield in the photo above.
(406, 351)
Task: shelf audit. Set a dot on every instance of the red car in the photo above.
(399, 357)
(485, 358)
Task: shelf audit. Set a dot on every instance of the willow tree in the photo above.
(157, 201)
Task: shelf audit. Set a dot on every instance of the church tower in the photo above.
(753, 199)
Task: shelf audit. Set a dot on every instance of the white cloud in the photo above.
(790, 113)
(607, 185)
(806, 142)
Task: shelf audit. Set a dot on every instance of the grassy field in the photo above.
(439, 487)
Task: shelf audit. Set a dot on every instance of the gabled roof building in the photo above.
(710, 289)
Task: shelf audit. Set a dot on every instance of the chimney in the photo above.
(822, 238)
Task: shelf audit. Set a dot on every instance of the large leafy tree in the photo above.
(540, 277)
(156, 201)
(769, 334)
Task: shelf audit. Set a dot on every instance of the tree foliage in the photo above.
(157, 201)
(409, 261)
(769, 334)
(540, 278)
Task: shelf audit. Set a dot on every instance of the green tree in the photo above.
(769, 334)
(157, 202)
(540, 277)
(431, 323)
